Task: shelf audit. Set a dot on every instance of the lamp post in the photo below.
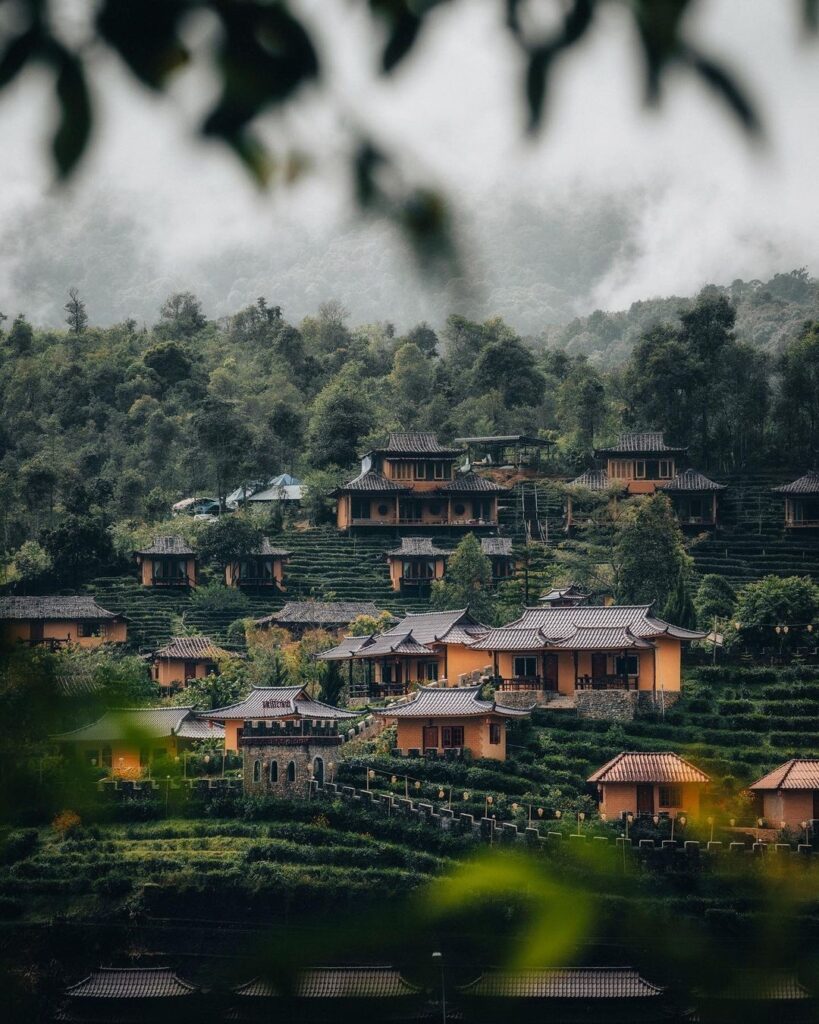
(804, 825)
(439, 959)
(711, 823)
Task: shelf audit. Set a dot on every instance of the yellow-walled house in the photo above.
(421, 648)
(649, 784)
(450, 720)
(261, 569)
(587, 647)
(641, 461)
(790, 793)
(57, 621)
(185, 658)
(128, 741)
(413, 480)
(801, 501)
(167, 561)
(418, 561)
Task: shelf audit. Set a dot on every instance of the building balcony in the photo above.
(256, 581)
(172, 581)
(297, 731)
(607, 682)
(521, 683)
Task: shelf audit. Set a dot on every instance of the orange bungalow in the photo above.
(801, 501)
(412, 480)
(694, 497)
(641, 461)
(451, 720)
(790, 793)
(649, 783)
(587, 647)
(167, 562)
(186, 658)
(57, 621)
(261, 569)
(418, 561)
(424, 647)
(126, 742)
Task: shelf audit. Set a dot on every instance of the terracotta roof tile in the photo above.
(798, 773)
(192, 648)
(635, 767)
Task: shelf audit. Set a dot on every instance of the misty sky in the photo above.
(153, 210)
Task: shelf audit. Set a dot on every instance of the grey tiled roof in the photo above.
(337, 983)
(496, 546)
(602, 638)
(561, 593)
(663, 767)
(509, 639)
(265, 702)
(566, 983)
(374, 482)
(429, 627)
(125, 723)
(469, 483)
(450, 701)
(191, 648)
(798, 773)
(266, 548)
(81, 607)
(131, 983)
(691, 480)
(509, 439)
(416, 442)
(394, 643)
(167, 545)
(761, 985)
(561, 622)
(807, 484)
(349, 646)
(592, 480)
(418, 546)
(320, 613)
(648, 442)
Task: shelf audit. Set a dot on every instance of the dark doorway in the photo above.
(318, 770)
(645, 799)
(430, 737)
(550, 672)
(599, 665)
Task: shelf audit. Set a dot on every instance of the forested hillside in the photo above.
(105, 426)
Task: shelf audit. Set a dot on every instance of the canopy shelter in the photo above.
(801, 501)
(514, 450)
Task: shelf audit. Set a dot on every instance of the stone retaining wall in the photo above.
(622, 705)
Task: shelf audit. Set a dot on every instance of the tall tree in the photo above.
(76, 315)
(649, 556)
(467, 583)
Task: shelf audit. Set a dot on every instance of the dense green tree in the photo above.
(424, 337)
(224, 439)
(228, 539)
(20, 335)
(774, 612)
(798, 394)
(181, 315)
(76, 315)
(467, 583)
(411, 378)
(341, 416)
(715, 599)
(649, 554)
(509, 367)
(79, 547)
(169, 361)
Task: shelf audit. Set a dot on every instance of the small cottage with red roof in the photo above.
(649, 783)
(790, 793)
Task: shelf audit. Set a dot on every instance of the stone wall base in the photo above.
(622, 705)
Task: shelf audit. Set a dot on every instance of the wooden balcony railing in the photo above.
(522, 683)
(172, 581)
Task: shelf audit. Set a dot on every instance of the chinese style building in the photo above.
(641, 461)
(649, 784)
(128, 741)
(259, 570)
(167, 562)
(186, 658)
(58, 621)
(286, 736)
(132, 994)
(611, 994)
(449, 720)
(758, 995)
(413, 480)
(587, 647)
(694, 497)
(418, 561)
(801, 501)
(424, 647)
(300, 616)
(565, 597)
(790, 793)
(333, 994)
